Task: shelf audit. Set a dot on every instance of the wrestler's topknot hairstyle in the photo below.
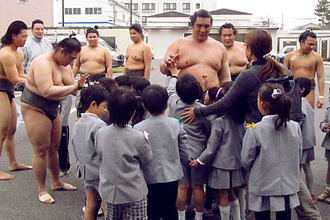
(92, 30)
(304, 83)
(308, 33)
(69, 45)
(37, 21)
(13, 29)
(200, 13)
(227, 25)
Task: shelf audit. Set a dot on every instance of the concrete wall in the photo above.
(11, 10)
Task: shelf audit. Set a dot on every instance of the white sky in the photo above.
(295, 12)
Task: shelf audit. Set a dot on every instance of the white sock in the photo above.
(224, 212)
(242, 200)
(234, 205)
(182, 215)
(198, 215)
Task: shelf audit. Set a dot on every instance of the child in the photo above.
(183, 92)
(212, 95)
(124, 153)
(308, 132)
(110, 85)
(168, 142)
(138, 85)
(325, 127)
(271, 152)
(123, 80)
(94, 101)
(223, 154)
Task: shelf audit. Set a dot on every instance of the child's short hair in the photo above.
(154, 99)
(277, 102)
(304, 83)
(188, 88)
(123, 80)
(92, 93)
(108, 83)
(121, 105)
(140, 84)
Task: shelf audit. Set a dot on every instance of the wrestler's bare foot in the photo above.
(6, 176)
(18, 167)
(44, 197)
(63, 187)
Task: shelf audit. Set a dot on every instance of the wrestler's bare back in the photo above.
(135, 56)
(303, 65)
(198, 58)
(51, 74)
(237, 57)
(93, 60)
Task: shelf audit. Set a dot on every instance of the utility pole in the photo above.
(131, 12)
(62, 13)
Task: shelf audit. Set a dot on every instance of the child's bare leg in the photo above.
(90, 205)
(182, 200)
(224, 204)
(198, 194)
(234, 205)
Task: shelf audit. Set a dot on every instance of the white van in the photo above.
(117, 59)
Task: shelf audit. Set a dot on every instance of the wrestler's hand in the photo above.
(170, 60)
(81, 82)
(320, 102)
(189, 115)
(194, 163)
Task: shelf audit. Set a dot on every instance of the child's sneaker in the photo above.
(327, 200)
(324, 195)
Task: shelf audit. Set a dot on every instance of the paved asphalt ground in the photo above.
(18, 197)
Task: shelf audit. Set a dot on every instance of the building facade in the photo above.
(25, 10)
(105, 13)
(147, 8)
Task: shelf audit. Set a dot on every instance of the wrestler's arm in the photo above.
(20, 68)
(147, 57)
(172, 50)
(108, 63)
(224, 73)
(44, 81)
(10, 68)
(286, 61)
(320, 78)
(76, 66)
(126, 58)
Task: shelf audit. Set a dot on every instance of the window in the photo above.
(24, 1)
(186, 7)
(148, 7)
(198, 5)
(169, 7)
(144, 19)
(72, 11)
(134, 8)
(90, 11)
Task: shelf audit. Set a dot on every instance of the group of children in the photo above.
(145, 165)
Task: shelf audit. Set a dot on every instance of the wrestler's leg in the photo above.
(53, 166)
(4, 127)
(38, 128)
(311, 97)
(9, 144)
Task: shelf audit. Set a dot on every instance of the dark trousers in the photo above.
(162, 201)
(63, 152)
(282, 215)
